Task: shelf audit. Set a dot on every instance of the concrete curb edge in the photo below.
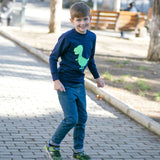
(126, 109)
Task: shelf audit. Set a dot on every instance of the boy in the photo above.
(76, 49)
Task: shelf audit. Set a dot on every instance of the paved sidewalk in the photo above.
(30, 113)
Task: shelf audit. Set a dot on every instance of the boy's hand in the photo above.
(59, 86)
(100, 82)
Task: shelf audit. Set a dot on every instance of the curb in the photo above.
(126, 109)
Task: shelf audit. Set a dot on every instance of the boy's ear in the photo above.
(71, 20)
(90, 17)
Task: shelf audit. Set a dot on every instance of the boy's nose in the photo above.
(82, 22)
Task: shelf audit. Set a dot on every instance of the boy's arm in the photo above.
(53, 59)
(93, 69)
(57, 83)
(56, 53)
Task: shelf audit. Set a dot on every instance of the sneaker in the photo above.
(53, 152)
(81, 156)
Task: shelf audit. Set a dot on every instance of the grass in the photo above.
(157, 96)
(141, 68)
(111, 60)
(129, 87)
(123, 63)
(107, 76)
(121, 80)
(141, 94)
(142, 85)
(126, 76)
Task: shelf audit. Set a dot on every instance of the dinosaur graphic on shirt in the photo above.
(81, 60)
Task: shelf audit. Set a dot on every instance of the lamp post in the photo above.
(95, 4)
(117, 5)
(0, 10)
(24, 2)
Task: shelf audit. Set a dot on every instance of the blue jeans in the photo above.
(73, 103)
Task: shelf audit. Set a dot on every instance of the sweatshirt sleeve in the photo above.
(57, 52)
(91, 64)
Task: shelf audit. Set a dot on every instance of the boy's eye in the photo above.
(85, 19)
(82, 19)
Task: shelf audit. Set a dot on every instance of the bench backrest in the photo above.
(123, 20)
(103, 19)
(127, 20)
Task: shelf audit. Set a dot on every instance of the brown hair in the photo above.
(79, 9)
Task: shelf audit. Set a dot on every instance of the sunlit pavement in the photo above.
(30, 113)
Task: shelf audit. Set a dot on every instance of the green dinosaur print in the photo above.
(81, 60)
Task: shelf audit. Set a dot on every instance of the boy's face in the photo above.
(81, 24)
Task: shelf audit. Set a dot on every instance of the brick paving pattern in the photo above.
(30, 113)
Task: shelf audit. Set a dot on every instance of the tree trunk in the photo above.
(55, 16)
(117, 5)
(154, 47)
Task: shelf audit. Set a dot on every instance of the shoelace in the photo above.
(54, 151)
(83, 155)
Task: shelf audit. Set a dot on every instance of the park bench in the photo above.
(117, 21)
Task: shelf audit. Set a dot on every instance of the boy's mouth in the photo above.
(83, 27)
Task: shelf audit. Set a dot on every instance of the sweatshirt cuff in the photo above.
(96, 75)
(55, 77)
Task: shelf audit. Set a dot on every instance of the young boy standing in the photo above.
(76, 48)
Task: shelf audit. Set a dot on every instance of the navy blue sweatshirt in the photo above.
(77, 52)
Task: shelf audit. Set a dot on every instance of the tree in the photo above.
(55, 16)
(154, 47)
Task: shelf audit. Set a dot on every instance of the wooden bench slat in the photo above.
(127, 18)
(107, 20)
(127, 13)
(108, 16)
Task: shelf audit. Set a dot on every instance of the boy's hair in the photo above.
(79, 9)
